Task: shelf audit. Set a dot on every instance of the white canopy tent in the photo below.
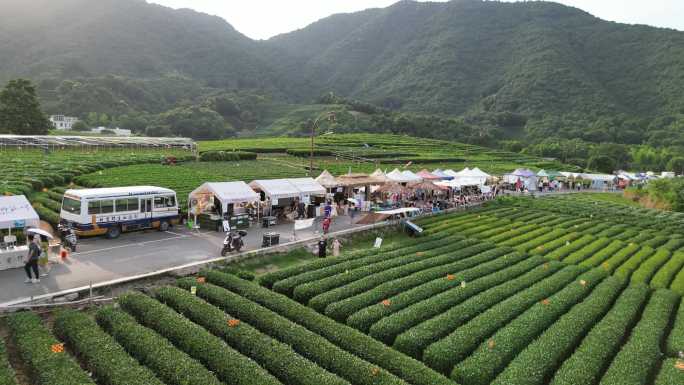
(288, 188)
(398, 176)
(226, 192)
(411, 176)
(327, 180)
(17, 212)
(467, 177)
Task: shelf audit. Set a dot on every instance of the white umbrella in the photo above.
(40, 232)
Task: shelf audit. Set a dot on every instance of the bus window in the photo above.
(72, 206)
(94, 207)
(164, 202)
(107, 206)
(124, 205)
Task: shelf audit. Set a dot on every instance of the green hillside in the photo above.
(497, 69)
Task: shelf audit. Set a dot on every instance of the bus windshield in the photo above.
(71, 205)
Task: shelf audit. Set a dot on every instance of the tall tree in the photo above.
(20, 111)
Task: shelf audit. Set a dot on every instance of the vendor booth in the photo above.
(398, 177)
(359, 187)
(442, 175)
(16, 214)
(522, 179)
(411, 176)
(298, 197)
(327, 180)
(212, 202)
(428, 176)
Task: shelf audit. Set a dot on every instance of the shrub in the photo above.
(229, 365)
(649, 267)
(675, 342)
(34, 344)
(46, 214)
(569, 248)
(225, 156)
(343, 336)
(154, 351)
(614, 248)
(526, 236)
(656, 241)
(552, 245)
(503, 237)
(596, 351)
(540, 359)
(638, 358)
(533, 242)
(626, 269)
(7, 376)
(429, 300)
(445, 353)
(106, 359)
(304, 153)
(287, 285)
(670, 373)
(586, 251)
(664, 276)
(487, 361)
(275, 356)
(439, 265)
(486, 263)
(269, 279)
(678, 283)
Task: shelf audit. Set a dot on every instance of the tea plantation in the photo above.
(558, 290)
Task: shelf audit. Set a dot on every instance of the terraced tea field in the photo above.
(520, 292)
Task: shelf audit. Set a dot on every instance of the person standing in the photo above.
(336, 247)
(328, 209)
(326, 225)
(322, 246)
(32, 261)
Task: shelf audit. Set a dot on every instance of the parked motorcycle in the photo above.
(233, 242)
(68, 237)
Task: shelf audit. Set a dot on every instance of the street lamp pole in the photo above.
(331, 117)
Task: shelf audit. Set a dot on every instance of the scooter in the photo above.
(68, 236)
(233, 242)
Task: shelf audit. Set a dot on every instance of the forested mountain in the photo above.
(466, 69)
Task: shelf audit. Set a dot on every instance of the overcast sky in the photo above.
(261, 19)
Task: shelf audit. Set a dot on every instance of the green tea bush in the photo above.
(34, 342)
(587, 363)
(106, 359)
(229, 365)
(670, 373)
(526, 237)
(553, 245)
(347, 338)
(226, 156)
(607, 252)
(7, 375)
(587, 251)
(639, 357)
(277, 357)
(439, 266)
(647, 269)
(678, 283)
(626, 269)
(540, 240)
(287, 285)
(675, 342)
(540, 359)
(437, 297)
(487, 361)
(664, 276)
(305, 153)
(569, 248)
(457, 346)
(171, 365)
(492, 261)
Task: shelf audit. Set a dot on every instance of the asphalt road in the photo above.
(102, 260)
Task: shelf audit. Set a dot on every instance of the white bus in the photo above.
(111, 211)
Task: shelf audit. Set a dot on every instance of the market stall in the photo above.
(442, 175)
(358, 187)
(428, 176)
(522, 179)
(411, 176)
(327, 180)
(16, 214)
(210, 203)
(398, 177)
(280, 197)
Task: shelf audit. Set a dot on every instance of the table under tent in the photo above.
(298, 197)
(357, 188)
(522, 179)
(16, 215)
(212, 202)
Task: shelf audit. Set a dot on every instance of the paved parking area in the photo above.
(102, 260)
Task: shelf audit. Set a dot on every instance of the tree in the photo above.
(602, 163)
(20, 111)
(79, 126)
(676, 164)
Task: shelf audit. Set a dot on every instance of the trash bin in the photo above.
(268, 222)
(270, 239)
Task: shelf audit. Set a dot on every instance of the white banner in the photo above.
(304, 224)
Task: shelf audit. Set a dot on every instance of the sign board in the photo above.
(304, 224)
(414, 227)
(378, 243)
(19, 224)
(193, 290)
(226, 226)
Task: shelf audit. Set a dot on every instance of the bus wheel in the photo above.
(164, 226)
(113, 232)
